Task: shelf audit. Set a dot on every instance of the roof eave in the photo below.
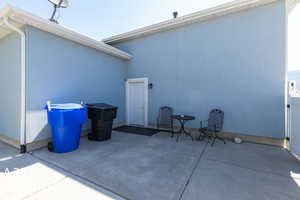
(5, 10)
(290, 5)
(24, 18)
(199, 16)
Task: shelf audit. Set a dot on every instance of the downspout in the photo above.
(23, 148)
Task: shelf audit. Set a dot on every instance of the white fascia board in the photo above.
(290, 5)
(24, 18)
(200, 16)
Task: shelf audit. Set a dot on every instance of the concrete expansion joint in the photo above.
(45, 188)
(193, 171)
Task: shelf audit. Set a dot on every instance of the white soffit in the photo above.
(20, 18)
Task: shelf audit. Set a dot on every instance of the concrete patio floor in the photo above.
(142, 168)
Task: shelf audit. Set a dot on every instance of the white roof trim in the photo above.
(21, 17)
(290, 5)
(200, 16)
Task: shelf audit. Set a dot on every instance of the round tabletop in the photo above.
(183, 117)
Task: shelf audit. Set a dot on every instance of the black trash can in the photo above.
(102, 116)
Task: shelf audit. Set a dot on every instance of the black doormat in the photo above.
(137, 130)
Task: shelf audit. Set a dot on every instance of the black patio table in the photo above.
(182, 120)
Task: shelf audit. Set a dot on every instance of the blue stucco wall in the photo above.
(236, 63)
(63, 71)
(10, 86)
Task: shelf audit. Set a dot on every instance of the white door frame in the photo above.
(139, 80)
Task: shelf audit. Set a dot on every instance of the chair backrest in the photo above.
(216, 120)
(164, 116)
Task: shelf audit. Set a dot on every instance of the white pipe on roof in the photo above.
(23, 81)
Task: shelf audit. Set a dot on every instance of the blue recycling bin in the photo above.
(66, 121)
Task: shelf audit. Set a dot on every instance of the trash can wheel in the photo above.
(50, 146)
(65, 121)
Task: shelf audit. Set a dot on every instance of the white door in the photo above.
(137, 101)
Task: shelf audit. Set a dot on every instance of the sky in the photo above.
(293, 39)
(100, 19)
(104, 18)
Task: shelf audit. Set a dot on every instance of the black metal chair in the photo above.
(211, 127)
(164, 121)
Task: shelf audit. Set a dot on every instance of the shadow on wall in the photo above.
(38, 127)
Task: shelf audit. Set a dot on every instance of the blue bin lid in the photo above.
(69, 114)
(66, 107)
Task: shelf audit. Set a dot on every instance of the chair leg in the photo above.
(200, 137)
(177, 139)
(191, 137)
(222, 139)
(172, 126)
(203, 135)
(215, 137)
(213, 142)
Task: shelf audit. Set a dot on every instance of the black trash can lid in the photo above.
(102, 106)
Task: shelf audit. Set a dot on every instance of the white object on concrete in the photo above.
(238, 140)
